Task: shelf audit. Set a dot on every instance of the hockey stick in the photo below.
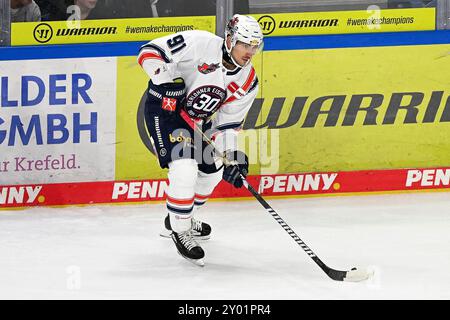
(353, 275)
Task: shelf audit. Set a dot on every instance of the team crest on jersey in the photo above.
(208, 68)
(169, 104)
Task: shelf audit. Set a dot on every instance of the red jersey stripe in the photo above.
(245, 87)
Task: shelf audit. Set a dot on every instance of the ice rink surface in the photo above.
(115, 252)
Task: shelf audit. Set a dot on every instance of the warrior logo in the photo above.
(208, 68)
(43, 33)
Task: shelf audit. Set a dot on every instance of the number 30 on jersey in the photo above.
(204, 101)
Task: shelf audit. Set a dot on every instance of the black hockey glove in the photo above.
(239, 164)
(170, 96)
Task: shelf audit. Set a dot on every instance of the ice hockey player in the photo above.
(199, 79)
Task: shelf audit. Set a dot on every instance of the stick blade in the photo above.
(357, 275)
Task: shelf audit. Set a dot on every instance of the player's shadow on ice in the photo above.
(169, 264)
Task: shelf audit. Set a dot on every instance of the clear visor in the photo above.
(253, 49)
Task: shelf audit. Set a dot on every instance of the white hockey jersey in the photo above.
(213, 92)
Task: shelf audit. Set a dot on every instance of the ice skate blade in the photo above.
(201, 238)
(168, 234)
(197, 262)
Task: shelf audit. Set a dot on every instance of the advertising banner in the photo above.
(132, 137)
(57, 120)
(114, 30)
(299, 184)
(356, 108)
(325, 121)
(337, 22)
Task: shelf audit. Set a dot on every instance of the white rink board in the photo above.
(115, 252)
(57, 120)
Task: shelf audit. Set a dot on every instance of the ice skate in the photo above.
(200, 230)
(188, 248)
